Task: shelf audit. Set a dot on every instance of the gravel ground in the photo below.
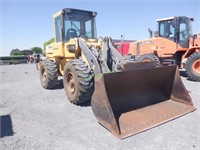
(35, 118)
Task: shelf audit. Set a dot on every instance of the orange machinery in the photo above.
(173, 43)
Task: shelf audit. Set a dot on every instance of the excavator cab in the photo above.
(176, 29)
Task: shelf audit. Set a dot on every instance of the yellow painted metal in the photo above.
(57, 13)
(67, 54)
(55, 50)
(85, 59)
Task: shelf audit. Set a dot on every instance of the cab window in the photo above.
(162, 29)
(58, 28)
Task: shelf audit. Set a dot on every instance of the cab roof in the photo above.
(172, 18)
(72, 9)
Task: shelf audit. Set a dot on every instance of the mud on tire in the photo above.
(192, 67)
(48, 74)
(148, 58)
(78, 81)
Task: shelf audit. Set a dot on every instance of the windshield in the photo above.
(176, 30)
(79, 23)
(167, 30)
(185, 29)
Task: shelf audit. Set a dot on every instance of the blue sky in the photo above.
(25, 24)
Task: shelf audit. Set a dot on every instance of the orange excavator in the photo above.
(173, 43)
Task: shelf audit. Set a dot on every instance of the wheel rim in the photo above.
(196, 66)
(44, 76)
(146, 60)
(70, 83)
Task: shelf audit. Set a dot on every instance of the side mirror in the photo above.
(155, 33)
(150, 33)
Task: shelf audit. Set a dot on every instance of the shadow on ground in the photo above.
(6, 126)
(59, 84)
(183, 73)
(87, 104)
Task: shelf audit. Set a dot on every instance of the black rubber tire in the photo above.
(78, 81)
(192, 75)
(48, 74)
(149, 57)
(129, 57)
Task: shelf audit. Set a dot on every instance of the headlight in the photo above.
(71, 48)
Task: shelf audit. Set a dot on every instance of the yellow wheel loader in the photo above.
(126, 97)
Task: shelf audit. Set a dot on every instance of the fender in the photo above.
(190, 51)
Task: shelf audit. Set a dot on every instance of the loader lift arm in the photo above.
(108, 60)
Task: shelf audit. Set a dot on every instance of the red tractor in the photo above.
(122, 47)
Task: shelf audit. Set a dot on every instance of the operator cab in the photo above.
(70, 23)
(177, 29)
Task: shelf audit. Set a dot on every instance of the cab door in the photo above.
(167, 41)
(58, 46)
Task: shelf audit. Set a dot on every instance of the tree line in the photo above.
(17, 51)
(37, 50)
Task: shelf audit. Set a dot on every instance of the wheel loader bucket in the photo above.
(130, 102)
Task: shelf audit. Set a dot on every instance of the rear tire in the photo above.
(48, 74)
(78, 81)
(149, 58)
(192, 67)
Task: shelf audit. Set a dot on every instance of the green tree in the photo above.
(26, 52)
(15, 52)
(48, 42)
(36, 50)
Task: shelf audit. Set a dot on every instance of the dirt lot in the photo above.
(35, 118)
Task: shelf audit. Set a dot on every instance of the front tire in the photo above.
(78, 81)
(149, 58)
(48, 74)
(192, 67)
